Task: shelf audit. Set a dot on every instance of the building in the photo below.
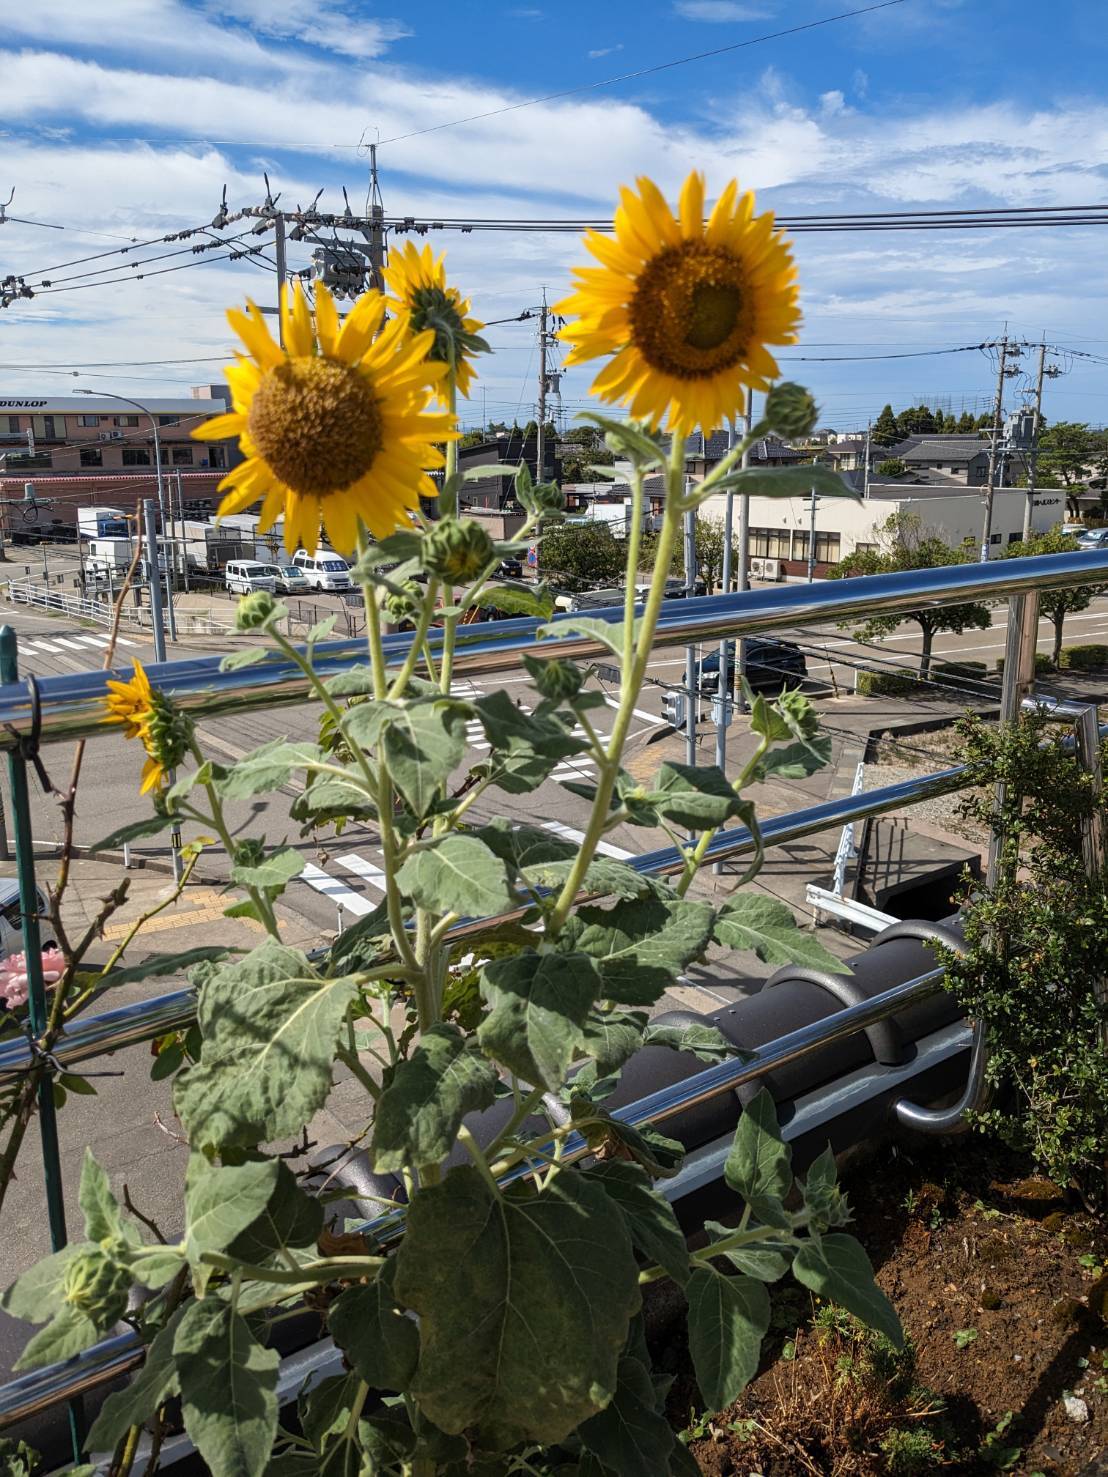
(780, 527)
(81, 450)
(958, 459)
(495, 492)
(702, 453)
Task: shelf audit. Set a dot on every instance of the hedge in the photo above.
(1043, 665)
(960, 671)
(1084, 658)
(885, 684)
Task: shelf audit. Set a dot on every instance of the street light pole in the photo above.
(154, 574)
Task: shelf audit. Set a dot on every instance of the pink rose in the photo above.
(14, 981)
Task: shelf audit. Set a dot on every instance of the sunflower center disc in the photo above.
(691, 311)
(316, 423)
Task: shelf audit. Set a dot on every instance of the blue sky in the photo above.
(128, 124)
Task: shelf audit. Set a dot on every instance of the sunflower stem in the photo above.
(630, 685)
(372, 625)
(419, 640)
(448, 502)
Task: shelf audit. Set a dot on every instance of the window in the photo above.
(169, 420)
(769, 543)
(182, 456)
(827, 547)
(88, 420)
(91, 456)
(136, 456)
(13, 423)
(217, 456)
(126, 420)
(1014, 538)
(994, 538)
(25, 460)
(861, 548)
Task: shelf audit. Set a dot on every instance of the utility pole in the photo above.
(375, 235)
(994, 443)
(155, 585)
(865, 474)
(812, 539)
(540, 437)
(1033, 457)
(279, 256)
(179, 522)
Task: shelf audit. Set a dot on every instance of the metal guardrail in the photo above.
(72, 706)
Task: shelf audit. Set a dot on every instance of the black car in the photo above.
(510, 569)
(770, 665)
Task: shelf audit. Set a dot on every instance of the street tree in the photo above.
(709, 552)
(966, 423)
(884, 431)
(1054, 605)
(892, 466)
(576, 556)
(1070, 454)
(905, 545)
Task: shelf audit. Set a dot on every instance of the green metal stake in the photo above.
(36, 991)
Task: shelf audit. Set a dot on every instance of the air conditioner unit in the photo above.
(115, 435)
(758, 568)
(104, 435)
(771, 569)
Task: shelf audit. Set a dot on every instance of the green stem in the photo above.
(257, 896)
(419, 639)
(474, 1150)
(326, 1269)
(737, 1239)
(634, 543)
(695, 857)
(523, 1110)
(633, 672)
(350, 1059)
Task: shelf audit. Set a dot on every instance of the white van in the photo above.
(11, 919)
(245, 575)
(324, 570)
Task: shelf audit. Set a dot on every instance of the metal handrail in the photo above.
(72, 706)
(113, 1357)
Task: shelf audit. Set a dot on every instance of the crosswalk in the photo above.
(96, 640)
(368, 872)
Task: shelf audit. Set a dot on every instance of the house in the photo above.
(496, 491)
(704, 452)
(963, 458)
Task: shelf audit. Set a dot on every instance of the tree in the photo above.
(884, 431)
(471, 438)
(904, 546)
(577, 555)
(1054, 605)
(892, 466)
(965, 423)
(576, 468)
(710, 544)
(1069, 454)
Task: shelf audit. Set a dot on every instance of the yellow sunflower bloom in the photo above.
(686, 308)
(417, 282)
(334, 425)
(147, 715)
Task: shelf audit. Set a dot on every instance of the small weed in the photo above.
(994, 1449)
(964, 1337)
(910, 1202)
(744, 1430)
(909, 1450)
(788, 1349)
(987, 1212)
(698, 1427)
(935, 1219)
(1090, 1261)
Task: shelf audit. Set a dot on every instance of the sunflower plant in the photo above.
(488, 1296)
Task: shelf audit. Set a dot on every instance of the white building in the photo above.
(779, 527)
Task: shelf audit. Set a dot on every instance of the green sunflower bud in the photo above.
(791, 410)
(556, 679)
(97, 1282)
(403, 605)
(168, 735)
(457, 550)
(254, 610)
(828, 1206)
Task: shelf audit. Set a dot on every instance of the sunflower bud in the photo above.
(254, 610)
(457, 550)
(791, 410)
(168, 735)
(549, 499)
(97, 1282)
(403, 604)
(827, 1205)
(556, 678)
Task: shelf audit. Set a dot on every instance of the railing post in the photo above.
(36, 991)
(1019, 676)
(1094, 840)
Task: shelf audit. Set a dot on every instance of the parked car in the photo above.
(244, 575)
(323, 570)
(1093, 538)
(11, 919)
(770, 665)
(290, 580)
(510, 569)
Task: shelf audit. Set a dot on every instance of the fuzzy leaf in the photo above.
(708, 1043)
(515, 598)
(228, 1389)
(270, 1025)
(759, 1163)
(837, 1268)
(291, 1219)
(68, 1333)
(133, 831)
(604, 633)
(761, 1259)
(458, 874)
(640, 947)
(498, 1279)
(605, 876)
(787, 482)
(266, 769)
(275, 871)
(153, 1266)
(651, 1222)
(421, 745)
(222, 1200)
(697, 799)
(377, 1338)
(797, 761)
(629, 1437)
(154, 1382)
(749, 920)
(539, 1005)
(611, 1036)
(728, 1318)
(40, 1291)
(158, 964)
(428, 1095)
(235, 661)
(98, 1205)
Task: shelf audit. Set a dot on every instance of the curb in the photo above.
(138, 864)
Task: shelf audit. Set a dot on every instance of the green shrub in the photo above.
(1043, 665)
(1088, 658)
(909, 1450)
(960, 672)
(885, 684)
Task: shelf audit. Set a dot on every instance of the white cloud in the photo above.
(316, 24)
(720, 12)
(860, 82)
(605, 50)
(832, 102)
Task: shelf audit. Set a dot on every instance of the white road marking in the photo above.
(65, 641)
(337, 891)
(569, 834)
(363, 869)
(638, 712)
(92, 640)
(40, 645)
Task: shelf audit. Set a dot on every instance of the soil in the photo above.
(1000, 1281)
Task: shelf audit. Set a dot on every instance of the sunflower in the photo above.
(333, 426)
(417, 280)
(686, 308)
(148, 715)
